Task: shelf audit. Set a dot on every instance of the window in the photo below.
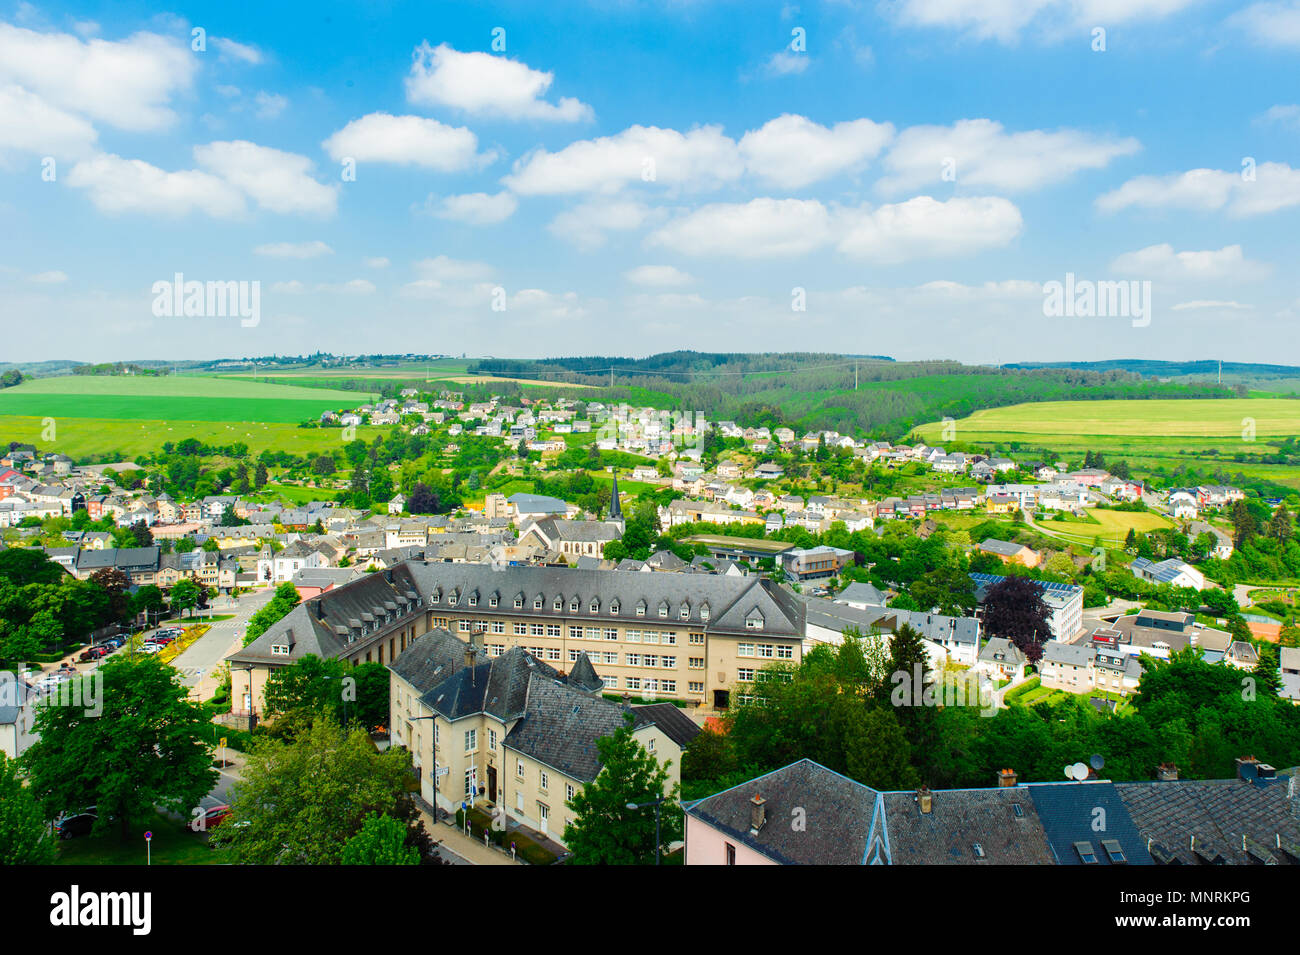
(552, 629)
(613, 607)
(633, 659)
(650, 636)
(521, 629)
(463, 626)
(978, 850)
(745, 675)
(595, 606)
(754, 623)
(573, 655)
(537, 603)
(1113, 851)
(668, 663)
(543, 813)
(492, 601)
(471, 740)
(471, 782)
(545, 780)
(633, 683)
(731, 854)
(279, 650)
(704, 612)
(492, 739)
(611, 656)
(685, 611)
(650, 745)
(640, 610)
(519, 768)
(663, 610)
(558, 605)
(573, 605)
(568, 792)
(668, 686)
(766, 650)
(611, 633)
(498, 626)
(575, 633)
(1086, 853)
(695, 687)
(593, 633)
(785, 653)
(519, 602)
(536, 629)
(744, 649)
(473, 600)
(696, 663)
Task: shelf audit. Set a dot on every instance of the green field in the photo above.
(1169, 422)
(132, 415)
(1158, 432)
(171, 398)
(1108, 528)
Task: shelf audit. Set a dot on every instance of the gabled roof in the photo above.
(560, 727)
(962, 824)
(838, 813)
(670, 718)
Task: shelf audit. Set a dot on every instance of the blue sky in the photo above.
(629, 177)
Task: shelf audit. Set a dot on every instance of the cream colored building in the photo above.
(690, 637)
(508, 731)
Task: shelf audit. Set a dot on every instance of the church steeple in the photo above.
(615, 511)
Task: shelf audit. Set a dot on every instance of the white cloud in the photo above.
(979, 152)
(787, 63)
(1006, 20)
(586, 225)
(657, 276)
(1271, 24)
(1199, 304)
(128, 84)
(1274, 186)
(443, 269)
(118, 185)
(1162, 262)
(30, 124)
(232, 50)
(1283, 114)
(54, 277)
(351, 287)
(791, 151)
(406, 140)
(700, 159)
(760, 228)
(377, 262)
(924, 227)
(294, 250)
(269, 105)
(477, 208)
(487, 85)
(278, 181)
(293, 287)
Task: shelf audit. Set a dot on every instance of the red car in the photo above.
(212, 817)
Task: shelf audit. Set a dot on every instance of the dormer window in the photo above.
(595, 606)
(492, 601)
(537, 603)
(452, 598)
(704, 611)
(435, 596)
(279, 650)
(558, 605)
(473, 600)
(573, 605)
(640, 608)
(519, 601)
(613, 607)
(685, 611)
(663, 609)
(754, 621)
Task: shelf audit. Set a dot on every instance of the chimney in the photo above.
(627, 702)
(757, 814)
(476, 641)
(319, 606)
(925, 799)
(1167, 773)
(1007, 778)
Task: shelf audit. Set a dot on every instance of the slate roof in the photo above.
(861, 593)
(838, 812)
(1069, 814)
(672, 719)
(1218, 813)
(583, 675)
(560, 727)
(961, 819)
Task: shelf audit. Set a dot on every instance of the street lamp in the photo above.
(656, 803)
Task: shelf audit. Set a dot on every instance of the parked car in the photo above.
(214, 816)
(151, 648)
(78, 824)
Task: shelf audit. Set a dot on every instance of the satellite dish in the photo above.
(1069, 772)
(1097, 761)
(1080, 771)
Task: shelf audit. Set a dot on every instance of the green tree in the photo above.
(301, 800)
(24, 836)
(604, 831)
(878, 753)
(285, 599)
(381, 840)
(141, 744)
(184, 596)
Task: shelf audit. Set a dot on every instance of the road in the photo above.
(198, 663)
